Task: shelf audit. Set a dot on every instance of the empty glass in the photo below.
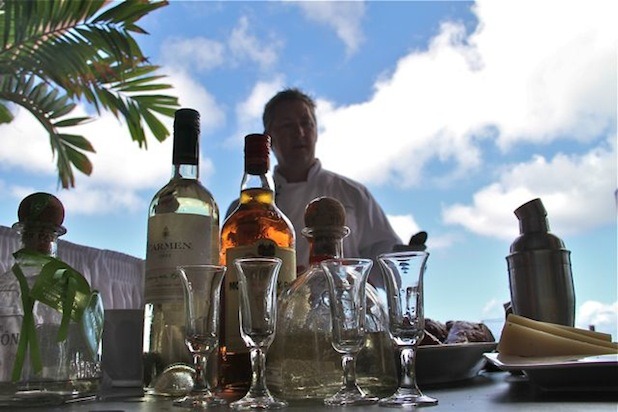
(403, 274)
(257, 281)
(347, 279)
(201, 285)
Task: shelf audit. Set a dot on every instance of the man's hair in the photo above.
(286, 95)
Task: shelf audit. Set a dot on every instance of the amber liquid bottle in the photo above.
(256, 228)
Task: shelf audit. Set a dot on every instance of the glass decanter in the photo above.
(302, 363)
(48, 356)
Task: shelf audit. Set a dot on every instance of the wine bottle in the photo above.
(183, 229)
(255, 228)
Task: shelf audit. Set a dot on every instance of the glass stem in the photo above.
(258, 377)
(348, 363)
(201, 383)
(407, 357)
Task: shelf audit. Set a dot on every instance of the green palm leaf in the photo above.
(55, 53)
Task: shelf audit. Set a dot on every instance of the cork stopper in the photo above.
(324, 212)
(40, 222)
(325, 228)
(41, 209)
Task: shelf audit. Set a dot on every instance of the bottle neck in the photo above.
(40, 240)
(186, 148)
(325, 244)
(257, 182)
(257, 188)
(185, 171)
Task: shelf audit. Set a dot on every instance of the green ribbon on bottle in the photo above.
(61, 287)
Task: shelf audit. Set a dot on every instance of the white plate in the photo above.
(436, 364)
(564, 373)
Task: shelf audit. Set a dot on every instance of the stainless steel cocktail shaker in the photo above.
(539, 268)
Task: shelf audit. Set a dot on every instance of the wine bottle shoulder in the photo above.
(184, 196)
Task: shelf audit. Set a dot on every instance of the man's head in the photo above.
(289, 119)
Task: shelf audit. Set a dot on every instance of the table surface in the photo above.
(489, 391)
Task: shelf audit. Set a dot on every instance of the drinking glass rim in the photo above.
(403, 254)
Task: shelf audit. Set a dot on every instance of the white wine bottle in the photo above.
(183, 229)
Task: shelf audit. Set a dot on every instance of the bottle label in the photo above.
(174, 240)
(287, 274)
(9, 338)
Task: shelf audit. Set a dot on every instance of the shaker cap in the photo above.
(532, 217)
(534, 229)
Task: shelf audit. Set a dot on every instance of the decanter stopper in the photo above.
(324, 212)
(40, 222)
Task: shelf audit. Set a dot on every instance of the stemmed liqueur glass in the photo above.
(202, 286)
(257, 280)
(347, 279)
(403, 274)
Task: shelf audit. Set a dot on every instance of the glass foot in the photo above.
(407, 398)
(350, 397)
(257, 402)
(199, 401)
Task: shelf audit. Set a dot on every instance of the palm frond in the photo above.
(47, 104)
(56, 52)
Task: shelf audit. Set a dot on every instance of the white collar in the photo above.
(313, 171)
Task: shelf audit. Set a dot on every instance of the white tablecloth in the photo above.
(117, 276)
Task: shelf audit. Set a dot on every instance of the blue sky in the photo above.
(452, 113)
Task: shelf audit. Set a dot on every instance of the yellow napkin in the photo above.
(530, 338)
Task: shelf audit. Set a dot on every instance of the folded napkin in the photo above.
(530, 338)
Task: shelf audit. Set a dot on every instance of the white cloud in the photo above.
(526, 75)
(345, 17)
(244, 45)
(547, 73)
(199, 53)
(404, 225)
(25, 145)
(192, 93)
(527, 86)
(603, 316)
(568, 186)
(249, 111)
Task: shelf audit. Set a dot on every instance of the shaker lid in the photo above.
(534, 229)
(532, 217)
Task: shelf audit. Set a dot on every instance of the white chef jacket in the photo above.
(370, 230)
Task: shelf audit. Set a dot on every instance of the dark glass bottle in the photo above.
(183, 229)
